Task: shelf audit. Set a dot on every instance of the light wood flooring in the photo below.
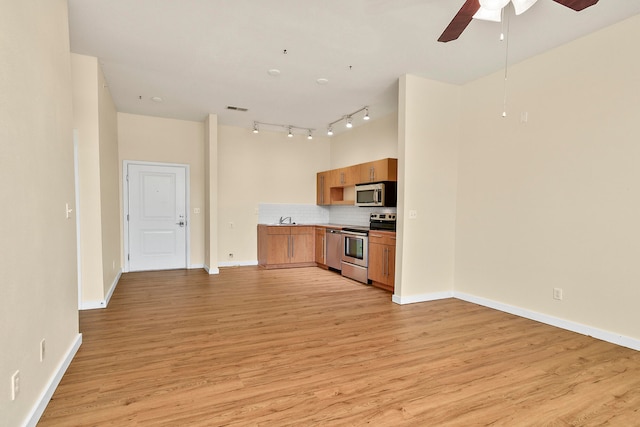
(306, 347)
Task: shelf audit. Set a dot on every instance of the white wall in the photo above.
(100, 240)
(555, 201)
(38, 290)
(110, 199)
(373, 140)
(429, 132)
(261, 168)
(155, 139)
(84, 70)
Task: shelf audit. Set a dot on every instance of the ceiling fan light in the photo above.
(493, 4)
(522, 6)
(488, 15)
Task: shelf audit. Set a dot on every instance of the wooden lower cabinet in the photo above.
(281, 246)
(382, 259)
(321, 246)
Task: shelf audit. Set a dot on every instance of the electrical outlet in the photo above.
(557, 294)
(196, 210)
(42, 350)
(413, 214)
(230, 255)
(15, 385)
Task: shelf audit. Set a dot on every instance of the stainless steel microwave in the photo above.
(377, 194)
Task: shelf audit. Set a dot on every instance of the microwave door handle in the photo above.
(378, 196)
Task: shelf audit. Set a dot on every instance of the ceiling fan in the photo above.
(490, 10)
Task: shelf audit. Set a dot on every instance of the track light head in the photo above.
(366, 114)
(309, 136)
(349, 122)
(290, 135)
(330, 131)
(255, 127)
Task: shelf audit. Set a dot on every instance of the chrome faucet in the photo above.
(285, 220)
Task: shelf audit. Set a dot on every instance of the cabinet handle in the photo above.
(324, 249)
(384, 265)
(386, 250)
(293, 248)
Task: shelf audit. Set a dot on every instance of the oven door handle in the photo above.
(354, 233)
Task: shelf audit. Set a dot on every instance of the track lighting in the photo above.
(348, 119)
(290, 129)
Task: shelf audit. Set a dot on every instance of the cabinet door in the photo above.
(380, 170)
(278, 248)
(391, 266)
(321, 248)
(345, 177)
(302, 248)
(323, 188)
(377, 262)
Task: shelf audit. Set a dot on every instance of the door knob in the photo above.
(181, 223)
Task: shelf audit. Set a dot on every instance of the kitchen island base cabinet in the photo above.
(286, 246)
(382, 259)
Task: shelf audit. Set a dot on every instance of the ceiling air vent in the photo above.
(231, 107)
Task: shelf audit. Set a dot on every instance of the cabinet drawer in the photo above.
(302, 230)
(278, 229)
(382, 238)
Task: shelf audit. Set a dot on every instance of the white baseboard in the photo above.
(237, 263)
(112, 288)
(210, 270)
(579, 328)
(92, 305)
(412, 299)
(45, 397)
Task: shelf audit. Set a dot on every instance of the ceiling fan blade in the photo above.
(460, 21)
(577, 5)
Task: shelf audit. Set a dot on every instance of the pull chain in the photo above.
(505, 18)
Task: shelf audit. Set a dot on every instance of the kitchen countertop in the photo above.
(329, 225)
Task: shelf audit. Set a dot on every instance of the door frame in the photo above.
(125, 207)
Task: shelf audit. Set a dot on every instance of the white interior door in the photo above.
(157, 217)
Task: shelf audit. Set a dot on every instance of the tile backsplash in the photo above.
(353, 215)
(270, 213)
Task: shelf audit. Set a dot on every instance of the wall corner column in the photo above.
(211, 194)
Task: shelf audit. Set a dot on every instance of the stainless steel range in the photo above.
(355, 253)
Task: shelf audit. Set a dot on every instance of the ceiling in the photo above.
(201, 56)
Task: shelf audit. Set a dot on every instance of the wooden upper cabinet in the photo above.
(380, 170)
(330, 185)
(323, 188)
(345, 177)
